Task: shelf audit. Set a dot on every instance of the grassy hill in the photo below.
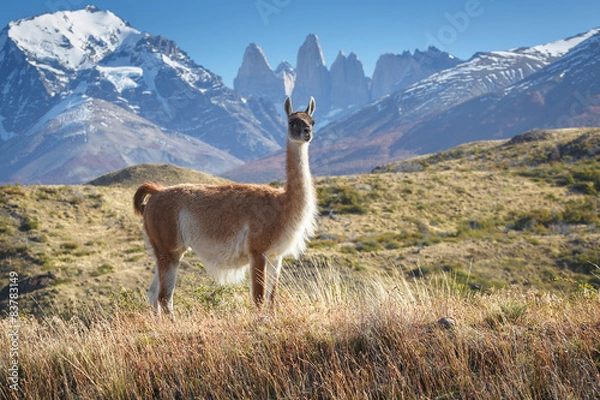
(165, 174)
(500, 238)
(519, 213)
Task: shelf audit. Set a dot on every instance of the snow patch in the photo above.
(72, 39)
(563, 46)
(74, 109)
(4, 134)
(122, 78)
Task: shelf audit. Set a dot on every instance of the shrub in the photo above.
(367, 245)
(69, 246)
(389, 240)
(13, 190)
(584, 188)
(581, 212)
(534, 219)
(341, 199)
(28, 224)
(6, 226)
(102, 270)
(581, 259)
(348, 250)
(322, 244)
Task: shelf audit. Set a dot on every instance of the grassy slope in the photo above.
(395, 252)
(489, 214)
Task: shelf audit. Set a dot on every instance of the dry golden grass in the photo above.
(327, 339)
(503, 237)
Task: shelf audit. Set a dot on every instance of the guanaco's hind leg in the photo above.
(163, 285)
(257, 273)
(273, 272)
(153, 290)
(265, 276)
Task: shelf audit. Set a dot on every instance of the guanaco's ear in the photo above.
(311, 106)
(288, 106)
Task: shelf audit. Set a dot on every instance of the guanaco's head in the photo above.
(300, 124)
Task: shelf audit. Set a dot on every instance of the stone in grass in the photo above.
(446, 322)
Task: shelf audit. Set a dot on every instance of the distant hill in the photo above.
(531, 149)
(165, 174)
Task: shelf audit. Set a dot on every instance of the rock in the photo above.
(312, 76)
(287, 74)
(446, 322)
(30, 284)
(349, 85)
(397, 71)
(256, 78)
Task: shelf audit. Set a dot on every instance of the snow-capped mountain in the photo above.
(485, 72)
(382, 124)
(493, 95)
(47, 59)
(564, 94)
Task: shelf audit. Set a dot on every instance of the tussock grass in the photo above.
(328, 338)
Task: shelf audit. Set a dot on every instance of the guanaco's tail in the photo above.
(139, 199)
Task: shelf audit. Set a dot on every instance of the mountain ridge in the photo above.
(417, 119)
(342, 88)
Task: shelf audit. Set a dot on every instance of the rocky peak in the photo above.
(256, 78)
(312, 76)
(287, 74)
(348, 82)
(394, 72)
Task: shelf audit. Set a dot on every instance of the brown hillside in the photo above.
(165, 174)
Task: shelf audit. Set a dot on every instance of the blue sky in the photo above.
(215, 33)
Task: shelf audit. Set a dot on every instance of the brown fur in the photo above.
(233, 223)
(141, 194)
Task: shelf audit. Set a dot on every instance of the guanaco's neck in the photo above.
(298, 188)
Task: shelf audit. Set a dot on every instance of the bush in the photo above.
(581, 212)
(584, 188)
(102, 270)
(367, 245)
(29, 224)
(581, 259)
(341, 200)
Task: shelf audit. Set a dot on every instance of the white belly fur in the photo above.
(225, 262)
